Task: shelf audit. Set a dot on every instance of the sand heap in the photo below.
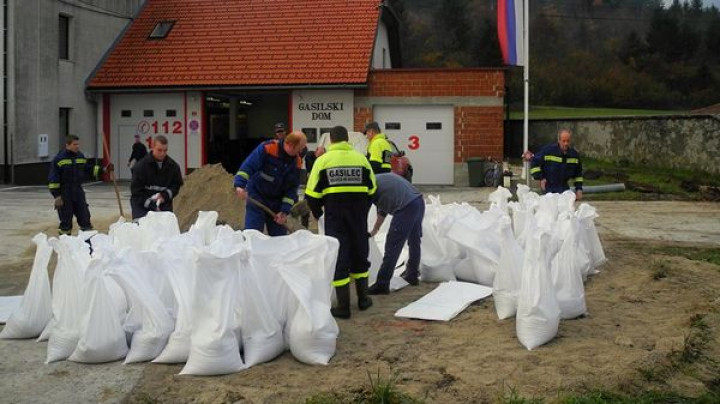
(209, 188)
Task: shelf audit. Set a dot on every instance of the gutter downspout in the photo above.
(6, 143)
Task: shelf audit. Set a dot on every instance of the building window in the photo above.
(310, 134)
(433, 125)
(64, 125)
(148, 113)
(170, 113)
(64, 37)
(126, 113)
(392, 126)
(161, 30)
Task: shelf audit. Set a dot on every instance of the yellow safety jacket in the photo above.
(379, 153)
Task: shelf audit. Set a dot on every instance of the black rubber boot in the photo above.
(342, 310)
(379, 289)
(361, 287)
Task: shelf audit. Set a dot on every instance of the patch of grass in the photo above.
(144, 398)
(384, 391)
(698, 321)
(709, 254)
(513, 397)
(653, 375)
(544, 112)
(325, 398)
(647, 397)
(644, 182)
(660, 270)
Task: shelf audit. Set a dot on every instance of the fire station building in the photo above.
(215, 77)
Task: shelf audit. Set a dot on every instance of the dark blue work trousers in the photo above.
(257, 219)
(406, 226)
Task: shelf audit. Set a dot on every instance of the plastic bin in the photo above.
(476, 171)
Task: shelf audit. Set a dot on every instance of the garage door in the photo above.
(426, 134)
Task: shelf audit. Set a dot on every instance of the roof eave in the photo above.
(140, 89)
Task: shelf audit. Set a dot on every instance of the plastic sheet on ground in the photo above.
(445, 302)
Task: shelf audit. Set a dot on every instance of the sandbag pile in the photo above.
(535, 253)
(213, 298)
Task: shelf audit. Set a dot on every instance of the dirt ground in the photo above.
(653, 323)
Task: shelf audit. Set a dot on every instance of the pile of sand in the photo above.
(209, 188)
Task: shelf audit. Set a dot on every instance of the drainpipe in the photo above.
(6, 143)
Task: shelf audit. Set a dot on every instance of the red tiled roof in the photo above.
(245, 43)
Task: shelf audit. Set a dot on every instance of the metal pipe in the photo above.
(596, 189)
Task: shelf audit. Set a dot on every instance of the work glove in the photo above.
(58, 202)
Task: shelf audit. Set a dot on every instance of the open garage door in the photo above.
(426, 134)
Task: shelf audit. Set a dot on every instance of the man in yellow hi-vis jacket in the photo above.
(342, 182)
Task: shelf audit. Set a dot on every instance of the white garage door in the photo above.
(426, 134)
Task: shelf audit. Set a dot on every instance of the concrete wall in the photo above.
(43, 83)
(689, 142)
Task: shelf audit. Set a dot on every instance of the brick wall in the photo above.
(478, 129)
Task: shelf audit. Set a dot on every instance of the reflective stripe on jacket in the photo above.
(269, 174)
(551, 164)
(340, 173)
(69, 170)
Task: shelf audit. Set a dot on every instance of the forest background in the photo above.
(583, 53)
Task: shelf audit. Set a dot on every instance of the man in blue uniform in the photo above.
(556, 164)
(396, 196)
(342, 182)
(271, 176)
(68, 170)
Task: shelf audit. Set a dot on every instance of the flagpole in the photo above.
(526, 85)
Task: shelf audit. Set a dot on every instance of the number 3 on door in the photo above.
(414, 142)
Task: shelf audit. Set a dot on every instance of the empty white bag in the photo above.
(35, 310)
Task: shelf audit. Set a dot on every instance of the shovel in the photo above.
(290, 226)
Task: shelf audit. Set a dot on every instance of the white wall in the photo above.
(319, 109)
(381, 52)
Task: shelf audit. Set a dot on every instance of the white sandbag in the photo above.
(308, 272)
(508, 273)
(102, 338)
(538, 314)
(439, 255)
(566, 202)
(445, 302)
(476, 231)
(214, 346)
(476, 268)
(45, 334)
(266, 254)
(589, 238)
(126, 234)
(567, 267)
(156, 227)
(156, 324)
(68, 304)
(262, 336)
(499, 198)
(204, 227)
(8, 305)
(547, 211)
(518, 217)
(35, 308)
(180, 269)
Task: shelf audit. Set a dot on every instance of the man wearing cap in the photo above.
(280, 131)
(138, 151)
(379, 150)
